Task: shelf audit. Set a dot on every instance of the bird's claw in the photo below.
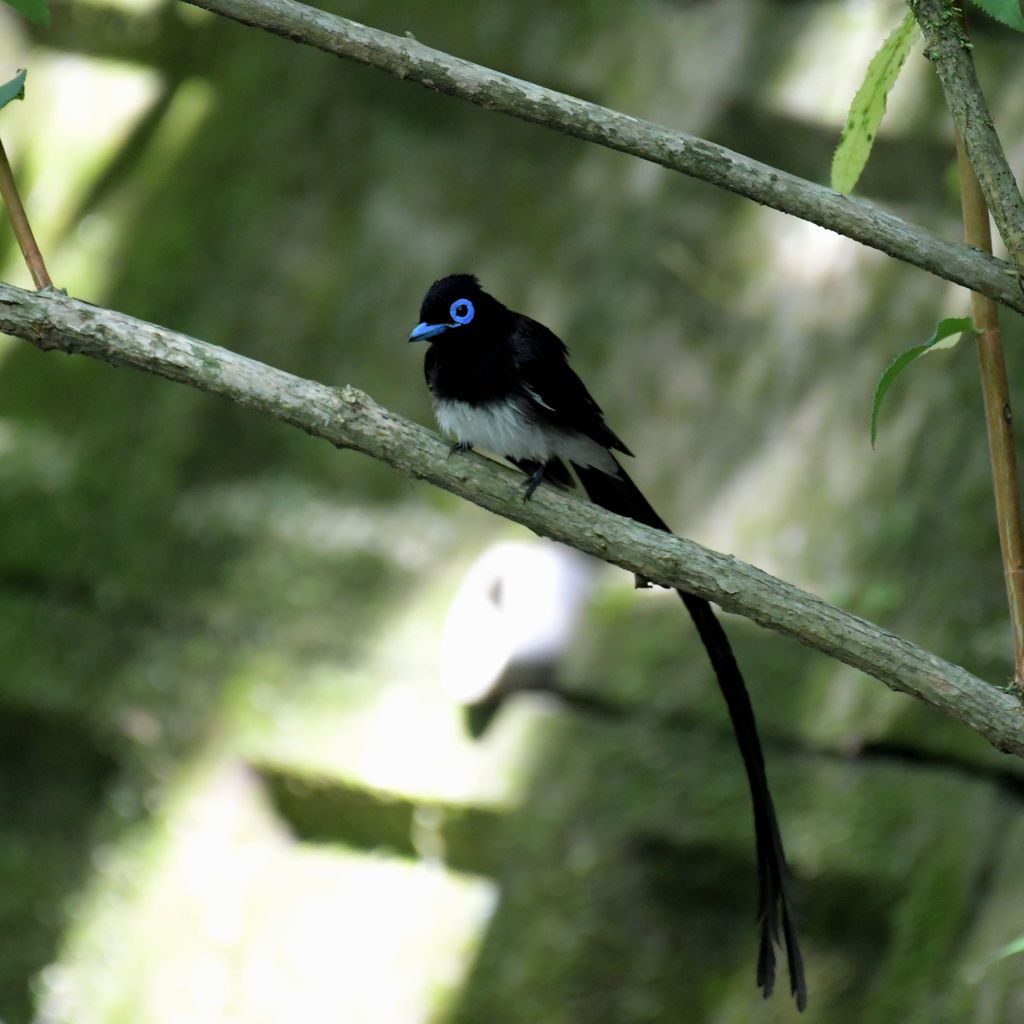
(533, 483)
(459, 447)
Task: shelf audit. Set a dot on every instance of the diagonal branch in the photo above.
(349, 419)
(675, 150)
(950, 50)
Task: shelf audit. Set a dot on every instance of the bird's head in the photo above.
(457, 306)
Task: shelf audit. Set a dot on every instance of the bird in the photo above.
(501, 381)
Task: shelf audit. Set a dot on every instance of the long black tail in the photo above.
(619, 494)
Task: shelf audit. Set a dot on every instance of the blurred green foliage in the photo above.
(34, 10)
(146, 553)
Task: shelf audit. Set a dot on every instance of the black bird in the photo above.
(502, 381)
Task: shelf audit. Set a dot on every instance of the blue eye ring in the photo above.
(462, 311)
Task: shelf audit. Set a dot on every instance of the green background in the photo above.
(156, 616)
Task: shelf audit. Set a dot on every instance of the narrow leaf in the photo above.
(950, 331)
(34, 10)
(1017, 946)
(869, 104)
(1009, 12)
(13, 90)
(946, 335)
(885, 383)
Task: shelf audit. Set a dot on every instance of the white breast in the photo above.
(508, 429)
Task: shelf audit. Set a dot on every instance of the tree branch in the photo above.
(675, 150)
(950, 51)
(349, 419)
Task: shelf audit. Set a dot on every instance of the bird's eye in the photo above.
(462, 311)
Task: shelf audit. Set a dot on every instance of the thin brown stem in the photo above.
(20, 224)
(996, 392)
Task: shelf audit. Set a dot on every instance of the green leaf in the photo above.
(1009, 12)
(34, 10)
(13, 90)
(946, 335)
(1017, 946)
(869, 104)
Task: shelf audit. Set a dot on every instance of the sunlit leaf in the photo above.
(869, 104)
(1017, 946)
(13, 90)
(946, 335)
(1007, 11)
(34, 10)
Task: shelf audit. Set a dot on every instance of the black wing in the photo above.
(540, 361)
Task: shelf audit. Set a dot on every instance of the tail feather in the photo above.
(619, 494)
(797, 981)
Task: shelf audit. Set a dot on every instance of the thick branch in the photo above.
(950, 50)
(676, 150)
(349, 419)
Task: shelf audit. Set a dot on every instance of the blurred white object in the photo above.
(519, 603)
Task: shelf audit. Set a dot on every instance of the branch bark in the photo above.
(678, 151)
(950, 51)
(349, 419)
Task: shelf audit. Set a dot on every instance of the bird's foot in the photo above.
(459, 447)
(533, 483)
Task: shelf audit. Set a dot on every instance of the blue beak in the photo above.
(423, 331)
